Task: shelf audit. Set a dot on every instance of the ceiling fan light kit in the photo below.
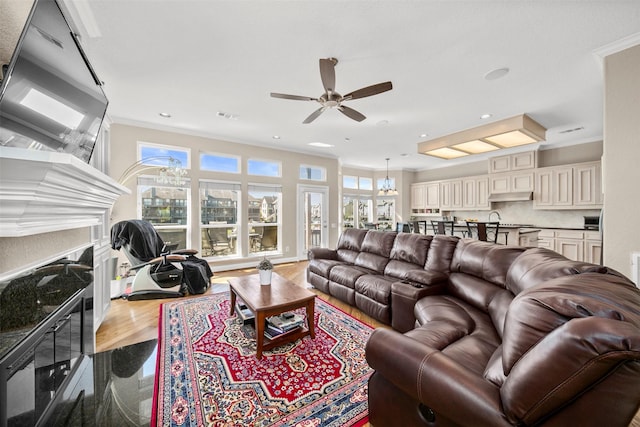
(507, 133)
(332, 99)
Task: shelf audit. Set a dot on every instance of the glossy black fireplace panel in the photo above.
(46, 329)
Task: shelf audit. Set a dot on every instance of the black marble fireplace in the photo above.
(46, 332)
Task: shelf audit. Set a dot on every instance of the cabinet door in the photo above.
(445, 195)
(547, 242)
(543, 195)
(500, 183)
(432, 195)
(482, 193)
(526, 160)
(456, 194)
(522, 182)
(469, 193)
(571, 248)
(418, 196)
(587, 186)
(500, 164)
(592, 251)
(563, 187)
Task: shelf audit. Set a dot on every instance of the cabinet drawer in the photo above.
(547, 233)
(570, 234)
(592, 235)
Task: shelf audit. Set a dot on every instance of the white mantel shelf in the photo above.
(42, 191)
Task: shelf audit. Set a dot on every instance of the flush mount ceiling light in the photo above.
(387, 189)
(320, 144)
(507, 133)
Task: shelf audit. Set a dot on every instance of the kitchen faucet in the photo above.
(494, 212)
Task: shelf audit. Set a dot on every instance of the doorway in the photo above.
(313, 217)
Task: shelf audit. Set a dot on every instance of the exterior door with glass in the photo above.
(313, 218)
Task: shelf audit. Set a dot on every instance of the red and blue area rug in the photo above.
(208, 374)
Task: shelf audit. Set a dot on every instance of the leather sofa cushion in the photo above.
(322, 266)
(373, 262)
(376, 287)
(351, 239)
(440, 253)
(400, 269)
(462, 332)
(539, 265)
(485, 260)
(347, 255)
(347, 275)
(537, 311)
(411, 248)
(426, 277)
(378, 242)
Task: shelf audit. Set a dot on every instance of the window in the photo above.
(219, 163)
(365, 213)
(348, 214)
(350, 182)
(219, 218)
(315, 173)
(386, 213)
(365, 183)
(265, 206)
(158, 155)
(263, 168)
(357, 212)
(167, 208)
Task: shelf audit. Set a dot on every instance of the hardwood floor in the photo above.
(130, 322)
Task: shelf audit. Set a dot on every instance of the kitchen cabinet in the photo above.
(513, 162)
(418, 196)
(511, 182)
(529, 239)
(451, 194)
(570, 243)
(577, 245)
(425, 198)
(592, 247)
(547, 239)
(576, 186)
(475, 193)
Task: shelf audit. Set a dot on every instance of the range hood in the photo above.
(516, 196)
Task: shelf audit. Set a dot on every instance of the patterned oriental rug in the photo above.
(208, 374)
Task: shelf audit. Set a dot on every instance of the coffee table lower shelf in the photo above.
(289, 336)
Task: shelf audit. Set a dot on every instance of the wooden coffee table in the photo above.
(269, 300)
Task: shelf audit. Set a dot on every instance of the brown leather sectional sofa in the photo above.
(487, 335)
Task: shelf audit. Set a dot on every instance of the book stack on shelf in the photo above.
(283, 324)
(245, 314)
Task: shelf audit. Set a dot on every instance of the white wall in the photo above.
(621, 160)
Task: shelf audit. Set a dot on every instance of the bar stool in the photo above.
(485, 231)
(442, 227)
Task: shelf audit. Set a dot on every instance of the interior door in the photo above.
(313, 218)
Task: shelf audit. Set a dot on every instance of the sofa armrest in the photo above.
(322, 253)
(404, 296)
(429, 376)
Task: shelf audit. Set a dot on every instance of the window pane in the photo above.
(219, 217)
(264, 218)
(348, 219)
(350, 182)
(164, 205)
(158, 155)
(219, 163)
(312, 173)
(365, 212)
(174, 236)
(385, 211)
(366, 183)
(263, 168)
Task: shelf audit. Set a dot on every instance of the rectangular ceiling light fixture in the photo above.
(507, 133)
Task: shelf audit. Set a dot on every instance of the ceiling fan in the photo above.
(330, 98)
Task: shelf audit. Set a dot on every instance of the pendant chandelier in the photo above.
(387, 189)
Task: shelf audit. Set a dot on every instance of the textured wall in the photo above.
(13, 16)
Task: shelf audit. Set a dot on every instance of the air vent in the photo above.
(571, 130)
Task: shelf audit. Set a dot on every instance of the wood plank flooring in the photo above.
(130, 322)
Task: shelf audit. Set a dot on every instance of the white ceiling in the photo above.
(194, 59)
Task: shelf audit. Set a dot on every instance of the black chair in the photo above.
(370, 226)
(403, 227)
(485, 231)
(442, 227)
(419, 227)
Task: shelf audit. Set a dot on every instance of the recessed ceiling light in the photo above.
(276, 137)
(404, 155)
(320, 144)
(424, 135)
(496, 74)
(347, 140)
(383, 123)
(485, 116)
(165, 115)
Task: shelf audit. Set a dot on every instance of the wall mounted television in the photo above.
(50, 98)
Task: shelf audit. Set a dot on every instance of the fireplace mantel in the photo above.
(42, 191)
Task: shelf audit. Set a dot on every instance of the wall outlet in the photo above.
(286, 249)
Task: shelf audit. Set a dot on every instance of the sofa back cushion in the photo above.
(537, 265)
(479, 270)
(409, 252)
(375, 250)
(564, 336)
(349, 244)
(440, 253)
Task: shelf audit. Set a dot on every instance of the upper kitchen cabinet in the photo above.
(513, 162)
(577, 186)
(510, 182)
(475, 193)
(425, 198)
(451, 194)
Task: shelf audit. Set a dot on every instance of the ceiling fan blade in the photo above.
(369, 90)
(328, 74)
(351, 113)
(314, 115)
(294, 97)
